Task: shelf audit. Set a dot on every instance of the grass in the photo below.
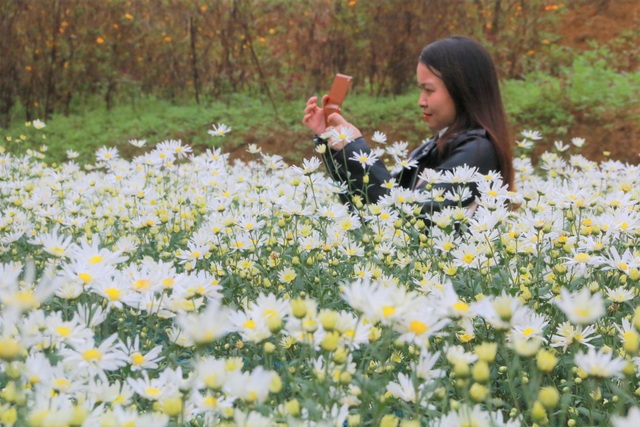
(252, 119)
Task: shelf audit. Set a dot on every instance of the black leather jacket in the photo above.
(472, 148)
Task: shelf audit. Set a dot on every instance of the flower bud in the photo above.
(631, 342)
(9, 349)
(486, 351)
(9, 417)
(374, 334)
(478, 392)
(345, 378)
(276, 383)
(299, 308)
(538, 413)
(481, 372)
(340, 355)
(269, 347)
(389, 420)
(292, 407)
(330, 341)
(461, 369)
(546, 361)
(274, 323)
(354, 420)
(328, 319)
(549, 397)
(172, 406)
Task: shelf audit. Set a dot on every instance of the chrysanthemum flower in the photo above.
(220, 130)
(581, 307)
(600, 364)
(96, 360)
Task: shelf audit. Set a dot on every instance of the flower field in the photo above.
(181, 288)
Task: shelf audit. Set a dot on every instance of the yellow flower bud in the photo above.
(538, 413)
(389, 420)
(9, 349)
(486, 351)
(330, 341)
(374, 334)
(172, 406)
(461, 369)
(546, 361)
(410, 423)
(299, 308)
(269, 347)
(354, 420)
(276, 383)
(328, 319)
(292, 407)
(481, 372)
(549, 397)
(274, 323)
(340, 355)
(629, 369)
(478, 392)
(9, 417)
(631, 342)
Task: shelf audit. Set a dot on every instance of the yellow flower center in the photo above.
(95, 259)
(91, 355)
(388, 310)
(137, 359)
(152, 391)
(583, 312)
(461, 306)
(141, 284)
(210, 402)
(63, 331)
(468, 258)
(269, 313)
(85, 277)
(113, 293)
(249, 324)
(417, 327)
(582, 258)
(60, 383)
(57, 250)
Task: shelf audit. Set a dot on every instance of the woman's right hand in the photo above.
(314, 115)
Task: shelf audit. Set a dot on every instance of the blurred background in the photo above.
(103, 72)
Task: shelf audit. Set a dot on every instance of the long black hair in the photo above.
(470, 76)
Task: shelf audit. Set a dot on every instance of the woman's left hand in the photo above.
(314, 116)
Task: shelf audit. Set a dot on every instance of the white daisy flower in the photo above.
(219, 130)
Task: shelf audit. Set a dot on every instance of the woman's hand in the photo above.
(314, 115)
(340, 131)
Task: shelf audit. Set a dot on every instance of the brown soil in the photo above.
(612, 137)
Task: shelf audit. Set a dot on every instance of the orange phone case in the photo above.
(337, 94)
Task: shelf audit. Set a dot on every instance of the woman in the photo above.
(461, 104)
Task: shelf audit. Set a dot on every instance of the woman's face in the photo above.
(438, 109)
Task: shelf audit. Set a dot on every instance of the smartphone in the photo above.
(337, 94)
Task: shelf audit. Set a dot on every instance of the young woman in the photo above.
(461, 104)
